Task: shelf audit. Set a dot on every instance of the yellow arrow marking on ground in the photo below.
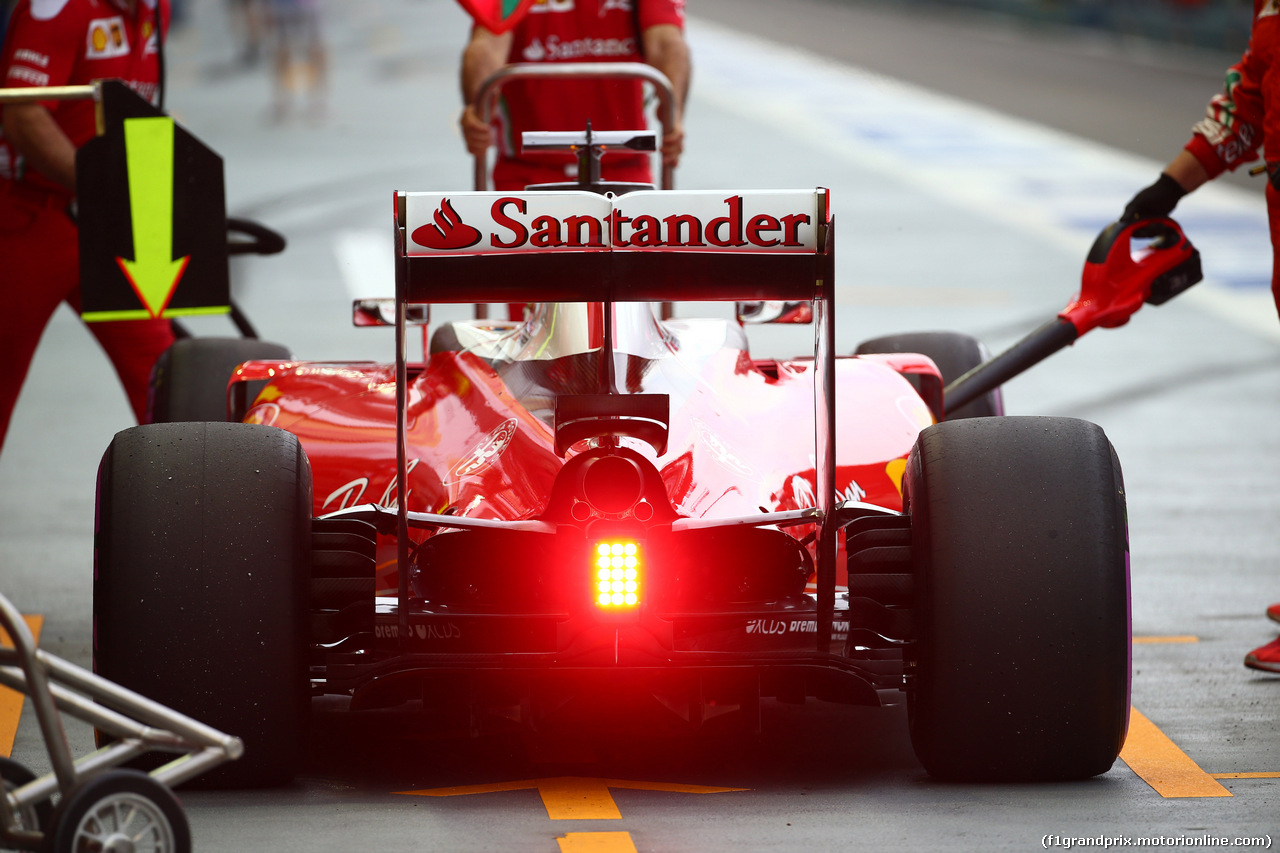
(1172, 773)
(572, 797)
(1245, 775)
(11, 700)
(597, 842)
(1162, 765)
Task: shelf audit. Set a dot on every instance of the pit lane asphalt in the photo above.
(928, 239)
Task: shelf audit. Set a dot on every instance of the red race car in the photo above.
(596, 512)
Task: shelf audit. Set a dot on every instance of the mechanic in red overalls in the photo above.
(1245, 116)
(60, 43)
(649, 31)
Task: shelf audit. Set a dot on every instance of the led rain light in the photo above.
(617, 574)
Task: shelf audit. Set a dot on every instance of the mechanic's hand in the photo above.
(673, 146)
(1157, 200)
(475, 132)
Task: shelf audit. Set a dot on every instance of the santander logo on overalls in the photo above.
(478, 223)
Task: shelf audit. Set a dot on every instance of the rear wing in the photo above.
(645, 246)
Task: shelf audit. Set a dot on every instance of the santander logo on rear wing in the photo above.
(646, 246)
(492, 223)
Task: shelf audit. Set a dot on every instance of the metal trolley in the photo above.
(99, 805)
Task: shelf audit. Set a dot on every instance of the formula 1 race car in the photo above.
(596, 511)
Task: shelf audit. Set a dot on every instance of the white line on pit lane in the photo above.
(1043, 182)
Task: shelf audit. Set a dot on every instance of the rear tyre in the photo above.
(120, 810)
(1019, 541)
(190, 378)
(201, 570)
(955, 354)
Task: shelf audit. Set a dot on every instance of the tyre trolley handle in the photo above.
(492, 85)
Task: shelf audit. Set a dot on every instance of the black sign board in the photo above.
(152, 217)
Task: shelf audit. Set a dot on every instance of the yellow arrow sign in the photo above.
(153, 272)
(573, 797)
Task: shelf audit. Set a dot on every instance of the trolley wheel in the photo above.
(120, 810)
(34, 818)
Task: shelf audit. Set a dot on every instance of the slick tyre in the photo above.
(120, 810)
(954, 353)
(1020, 668)
(201, 572)
(189, 382)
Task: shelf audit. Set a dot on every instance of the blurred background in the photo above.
(1214, 24)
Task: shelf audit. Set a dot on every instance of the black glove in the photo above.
(1159, 199)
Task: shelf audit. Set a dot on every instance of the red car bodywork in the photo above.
(741, 437)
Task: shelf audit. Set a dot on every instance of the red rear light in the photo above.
(617, 571)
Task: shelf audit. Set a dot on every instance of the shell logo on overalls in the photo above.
(107, 39)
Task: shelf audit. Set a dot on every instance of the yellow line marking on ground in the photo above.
(1181, 638)
(1245, 775)
(597, 842)
(1162, 765)
(11, 700)
(572, 797)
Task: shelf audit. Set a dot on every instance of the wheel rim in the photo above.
(26, 817)
(124, 823)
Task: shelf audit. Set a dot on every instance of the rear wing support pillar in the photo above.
(824, 421)
(402, 434)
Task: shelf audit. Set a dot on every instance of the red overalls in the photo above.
(1246, 115)
(70, 43)
(556, 31)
